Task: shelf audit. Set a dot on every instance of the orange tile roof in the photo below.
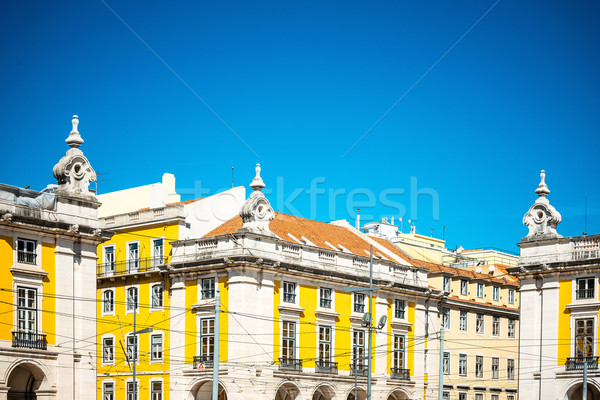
(500, 274)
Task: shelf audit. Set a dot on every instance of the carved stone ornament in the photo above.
(256, 212)
(7, 217)
(542, 218)
(74, 172)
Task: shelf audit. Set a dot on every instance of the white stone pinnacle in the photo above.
(74, 140)
(542, 189)
(257, 182)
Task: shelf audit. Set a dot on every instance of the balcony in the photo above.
(290, 364)
(584, 294)
(29, 340)
(130, 266)
(26, 257)
(201, 362)
(359, 308)
(576, 363)
(400, 373)
(326, 367)
(358, 370)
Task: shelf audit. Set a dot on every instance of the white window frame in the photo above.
(400, 308)
(447, 283)
(514, 369)
(355, 303)
(129, 382)
(446, 363)
(482, 323)
(160, 307)
(575, 285)
(463, 323)
(331, 296)
(320, 342)
(482, 366)
(104, 291)
(495, 378)
(466, 364)
(201, 335)
(108, 267)
(136, 353)
(37, 252)
(154, 262)
(446, 318)
(511, 296)
(284, 293)
(584, 316)
(511, 333)
(137, 308)
(37, 309)
(294, 338)
(201, 280)
(496, 293)
(162, 347)
(480, 290)
(496, 326)
(464, 287)
(112, 361)
(131, 264)
(162, 389)
(399, 352)
(114, 389)
(478, 396)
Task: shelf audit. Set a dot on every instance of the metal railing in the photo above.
(208, 293)
(359, 308)
(324, 302)
(584, 294)
(289, 297)
(576, 363)
(358, 369)
(206, 361)
(130, 266)
(29, 340)
(326, 367)
(400, 373)
(26, 257)
(290, 364)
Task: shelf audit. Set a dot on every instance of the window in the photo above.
(584, 337)
(446, 363)
(108, 350)
(510, 397)
(358, 348)
(511, 296)
(130, 391)
(462, 396)
(289, 292)
(108, 301)
(207, 338)
(26, 253)
(399, 351)
(585, 288)
(208, 288)
(479, 326)
(480, 290)
(495, 397)
(132, 299)
(478, 367)
(510, 369)
(446, 318)
(109, 259)
(27, 310)
(133, 260)
(400, 309)
(359, 302)
(288, 340)
(511, 328)
(158, 252)
(462, 364)
(496, 293)
(463, 287)
(156, 391)
(325, 343)
(463, 320)
(495, 326)
(325, 297)
(132, 348)
(156, 347)
(446, 284)
(445, 395)
(108, 388)
(478, 396)
(157, 295)
(495, 367)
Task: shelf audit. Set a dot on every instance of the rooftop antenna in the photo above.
(232, 176)
(585, 218)
(431, 230)
(444, 233)
(401, 224)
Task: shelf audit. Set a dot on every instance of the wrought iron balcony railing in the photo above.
(205, 361)
(584, 294)
(400, 373)
(326, 367)
(576, 363)
(29, 340)
(360, 308)
(130, 266)
(358, 369)
(290, 364)
(26, 257)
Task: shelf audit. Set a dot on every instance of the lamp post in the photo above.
(136, 348)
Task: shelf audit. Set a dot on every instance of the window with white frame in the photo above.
(400, 309)
(325, 297)
(511, 328)
(26, 310)
(132, 391)
(158, 252)
(108, 350)
(133, 257)
(359, 302)
(207, 338)
(462, 364)
(26, 251)
(358, 349)
(478, 396)
(511, 296)
(288, 341)
(108, 301)
(495, 368)
(510, 369)
(399, 356)
(208, 288)
(585, 288)
(446, 284)
(132, 299)
(109, 259)
(480, 290)
(495, 397)
(156, 347)
(495, 326)
(463, 320)
(132, 348)
(446, 318)
(325, 344)
(479, 324)
(462, 396)
(108, 391)
(289, 292)
(496, 293)
(156, 390)
(157, 295)
(584, 337)
(446, 363)
(463, 287)
(510, 397)
(478, 366)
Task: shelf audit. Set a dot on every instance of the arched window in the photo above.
(109, 301)
(132, 299)
(157, 296)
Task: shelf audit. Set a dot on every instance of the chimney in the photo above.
(358, 218)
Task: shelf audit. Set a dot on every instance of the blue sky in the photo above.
(300, 83)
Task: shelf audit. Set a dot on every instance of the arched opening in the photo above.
(576, 392)
(397, 395)
(324, 392)
(23, 382)
(361, 394)
(288, 391)
(203, 391)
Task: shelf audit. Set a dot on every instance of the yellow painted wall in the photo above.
(343, 332)
(6, 294)
(307, 328)
(49, 290)
(564, 321)
(224, 333)
(276, 316)
(410, 345)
